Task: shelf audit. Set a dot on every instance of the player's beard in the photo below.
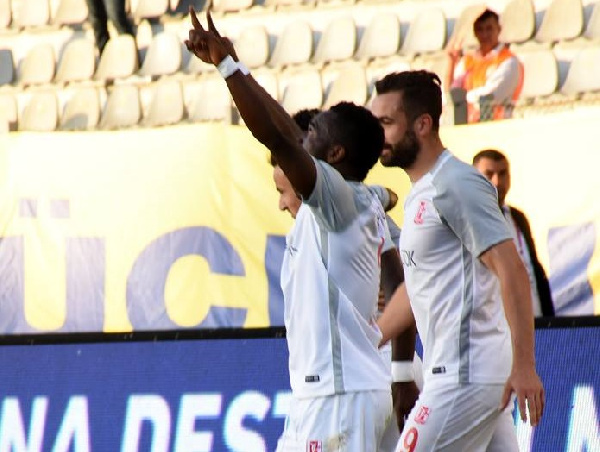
(404, 153)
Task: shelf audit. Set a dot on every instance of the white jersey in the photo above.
(451, 216)
(330, 279)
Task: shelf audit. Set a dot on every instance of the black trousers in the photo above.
(99, 13)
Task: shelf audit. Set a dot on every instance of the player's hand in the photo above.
(454, 49)
(208, 45)
(528, 387)
(404, 397)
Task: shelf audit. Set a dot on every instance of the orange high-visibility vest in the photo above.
(476, 69)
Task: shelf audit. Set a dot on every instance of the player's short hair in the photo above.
(487, 14)
(304, 117)
(421, 93)
(361, 135)
(492, 154)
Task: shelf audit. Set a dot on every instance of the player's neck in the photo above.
(428, 156)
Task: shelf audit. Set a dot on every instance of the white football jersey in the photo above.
(451, 216)
(330, 280)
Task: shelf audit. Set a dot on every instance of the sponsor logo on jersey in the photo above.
(420, 212)
(314, 446)
(438, 370)
(312, 379)
(408, 258)
(422, 415)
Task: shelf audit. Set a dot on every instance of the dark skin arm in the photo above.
(265, 118)
(404, 394)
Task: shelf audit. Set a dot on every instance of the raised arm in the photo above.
(264, 117)
(504, 261)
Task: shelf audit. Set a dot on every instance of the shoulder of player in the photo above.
(457, 178)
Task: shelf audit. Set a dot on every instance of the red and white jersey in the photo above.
(451, 216)
(330, 280)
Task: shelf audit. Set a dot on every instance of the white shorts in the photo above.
(459, 418)
(355, 421)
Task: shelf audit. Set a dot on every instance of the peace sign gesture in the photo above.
(208, 45)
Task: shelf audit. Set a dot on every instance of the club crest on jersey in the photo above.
(422, 415)
(314, 446)
(420, 212)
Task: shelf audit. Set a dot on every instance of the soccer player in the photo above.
(330, 272)
(465, 284)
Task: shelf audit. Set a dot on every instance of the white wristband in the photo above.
(402, 371)
(228, 66)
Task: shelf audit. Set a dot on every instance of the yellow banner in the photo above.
(178, 227)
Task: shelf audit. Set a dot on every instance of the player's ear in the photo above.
(336, 154)
(422, 125)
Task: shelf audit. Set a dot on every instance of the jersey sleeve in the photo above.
(332, 199)
(382, 194)
(469, 206)
(395, 231)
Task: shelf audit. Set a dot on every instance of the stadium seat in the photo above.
(463, 27)
(150, 9)
(38, 66)
(5, 14)
(294, 45)
(166, 106)
(350, 85)
(376, 70)
(209, 100)
(40, 113)
(77, 62)
(252, 46)
(82, 111)
(289, 4)
(426, 33)
(195, 66)
(592, 31)
(300, 89)
(338, 41)
(9, 113)
(229, 6)
(541, 73)
(119, 59)
(268, 80)
(584, 72)
(122, 108)
(71, 12)
(563, 20)
(7, 69)
(33, 13)
(163, 57)
(381, 37)
(436, 63)
(518, 21)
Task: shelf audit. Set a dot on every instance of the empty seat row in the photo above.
(39, 13)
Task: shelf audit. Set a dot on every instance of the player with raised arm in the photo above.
(330, 272)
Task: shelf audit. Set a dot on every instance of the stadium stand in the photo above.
(293, 47)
